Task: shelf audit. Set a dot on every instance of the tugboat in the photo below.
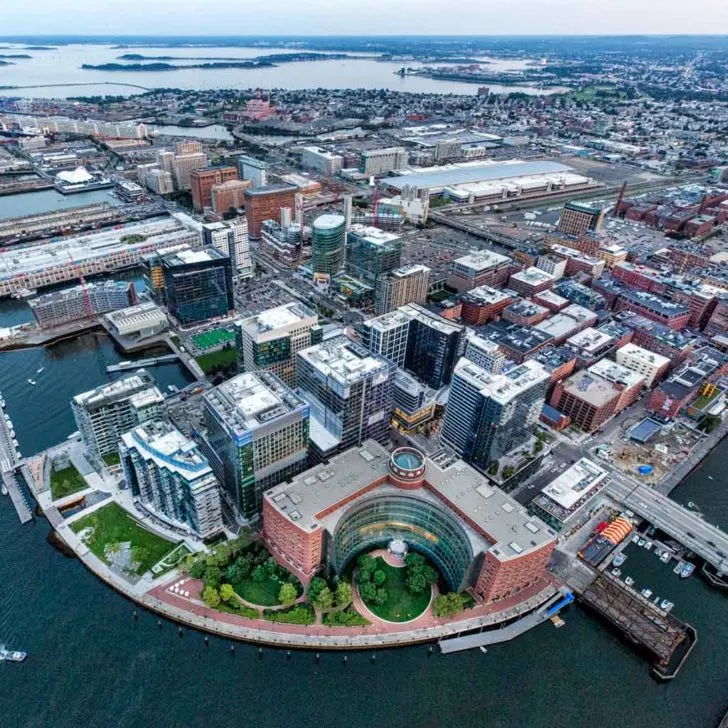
(11, 655)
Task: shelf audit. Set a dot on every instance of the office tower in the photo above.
(228, 196)
(371, 252)
(578, 219)
(485, 354)
(349, 392)
(387, 336)
(254, 170)
(204, 179)
(184, 165)
(487, 415)
(328, 242)
(321, 161)
(256, 436)
(188, 147)
(265, 203)
(401, 286)
(171, 478)
(379, 161)
(231, 239)
(285, 241)
(159, 181)
(348, 209)
(165, 159)
(103, 414)
(413, 403)
(198, 285)
(271, 339)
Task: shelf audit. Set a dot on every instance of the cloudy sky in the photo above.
(363, 17)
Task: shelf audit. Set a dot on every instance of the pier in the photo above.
(125, 366)
(9, 462)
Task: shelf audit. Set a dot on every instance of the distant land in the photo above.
(14, 55)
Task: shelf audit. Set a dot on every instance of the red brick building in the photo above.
(483, 304)
(587, 399)
(265, 203)
(202, 181)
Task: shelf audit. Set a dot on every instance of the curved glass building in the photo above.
(423, 525)
(328, 244)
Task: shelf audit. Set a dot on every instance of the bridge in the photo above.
(685, 526)
(489, 235)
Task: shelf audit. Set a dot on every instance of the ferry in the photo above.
(11, 655)
(629, 581)
(619, 559)
(686, 570)
(32, 381)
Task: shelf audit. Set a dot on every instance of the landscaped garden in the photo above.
(217, 360)
(111, 458)
(66, 481)
(395, 594)
(117, 538)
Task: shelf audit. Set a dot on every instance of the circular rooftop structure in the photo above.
(329, 222)
(407, 467)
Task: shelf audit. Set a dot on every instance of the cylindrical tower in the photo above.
(328, 244)
(407, 468)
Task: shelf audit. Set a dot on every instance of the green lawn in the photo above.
(223, 358)
(264, 593)
(211, 339)
(66, 481)
(112, 458)
(401, 605)
(113, 525)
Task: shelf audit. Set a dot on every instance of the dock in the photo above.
(510, 631)
(142, 364)
(17, 497)
(9, 463)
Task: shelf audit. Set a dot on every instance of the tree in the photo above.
(226, 592)
(368, 592)
(315, 587)
(367, 562)
(379, 577)
(448, 605)
(287, 594)
(324, 599)
(211, 597)
(271, 566)
(416, 583)
(363, 576)
(197, 570)
(380, 597)
(212, 576)
(258, 574)
(343, 594)
(244, 565)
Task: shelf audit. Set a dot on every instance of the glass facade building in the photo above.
(370, 252)
(328, 244)
(426, 526)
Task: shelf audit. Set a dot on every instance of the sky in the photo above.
(364, 17)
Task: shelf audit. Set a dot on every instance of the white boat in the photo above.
(617, 572)
(646, 593)
(686, 570)
(31, 381)
(15, 443)
(619, 559)
(641, 542)
(664, 604)
(648, 545)
(629, 581)
(12, 433)
(635, 538)
(3, 489)
(483, 650)
(665, 558)
(38, 371)
(11, 655)
(2, 402)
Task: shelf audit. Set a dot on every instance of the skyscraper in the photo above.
(371, 252)
(328, 244)
(103, 414)
(231, 239)
(198, 285)
(271, 339)
(170, 477)
(349, 392)
(256, 436)
(487, 414)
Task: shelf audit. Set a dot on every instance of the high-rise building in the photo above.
(401, 286)
(349, 392)
(231, 239)
(159, 181)
(321, 161)
(271, 339)
(188, 146)
(228, 196)
(487, 415)
(413, 403)
(253, 169)
(578, 219)
(328, 243)
(204, 179)
(198, 285)
(265, 203)
(184, 165)
(479, 269)
(171, 478)
(371, 252)
(285, 241)
(485, 353)
(379, 161)
(387, 336)
(257, 432)
(103, 414)
(165, 159)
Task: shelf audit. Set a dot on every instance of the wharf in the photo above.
(17, 497)
(125, 366)
(9, 462)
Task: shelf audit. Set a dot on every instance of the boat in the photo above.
(656, 601)
(629, 581)
(3, 489)
(617, 572)
(619, 559)
(641, 542)
(12, 433)
(664, 604)
(665, 558)
(38, 371)
(648, 545)
(15, 443)
(24, 293)
(31, 381)
(678, 568)
(2, 402)
(635, 538)
(710, 477)
(646, 593)
(11, 655)
(557, 621)
(483, 650)
(686, 570)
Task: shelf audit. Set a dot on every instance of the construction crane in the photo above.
(620, 197)
(86, 298)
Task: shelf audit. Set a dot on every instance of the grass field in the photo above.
(401, 604)
(66, 481)
(211, 339)
(112, 458)
(113, 525)
(264, 593)
(223, 358)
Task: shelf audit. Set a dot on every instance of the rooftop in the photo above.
(502, 388)
(643, 355)
(482, 260)
(591, 388)
(486, 295)
(344, 360)
(616, 373)
(582, 480)
(113, 391)
(280, 317)
(190, 257)
(590, 340)
(269, 190)
(370, 234)
(533, 276)
(329, 222)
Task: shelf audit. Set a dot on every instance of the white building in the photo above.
(320, 160)
(253, 169)
(138, 322)
(183, 164)
(643, 361)
(408, 284)
(380, 161)
(231, 238)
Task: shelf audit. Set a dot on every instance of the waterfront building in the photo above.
(349, 392)
(138, 322)
(479, 269)
(370, 252)
(204, 179)
(79, 302)
(231, 239)
(380, 161)
(169, 477)
(568, 498)
(103, 414)
(183, 165)
(577, 219)
(254, 170)
(228, 196)
(257, 432)
(271, 339)
(398, 287)
(644, 362)
(477, 536)
(321, 161)
(198, 285)
(265, 203)
(328, 244)
(487, 415)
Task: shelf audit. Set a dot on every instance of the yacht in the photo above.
(31, 381)
(664, 604)
(629, 581)
(648, 545)
(678, 568)
(483, 650)
(646, 593)
(11, 655)
(635, 538)
(641, 542)
(686, 570)
(2, 402)
(38, 371)
(619, 559)
(3, 489)
(617, 573)
(665, 558)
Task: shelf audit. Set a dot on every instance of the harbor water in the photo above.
(91, 663)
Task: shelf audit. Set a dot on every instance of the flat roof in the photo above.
(481, 260)
(189, 257)
(583, 479)
(591, 388)
(502, 387)
(273, 319)
(616, 373)
(371, 234)
(645, 430)
(344, 360)
(533, 276)
(644, 355)
(589, 340)
(487, 295)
